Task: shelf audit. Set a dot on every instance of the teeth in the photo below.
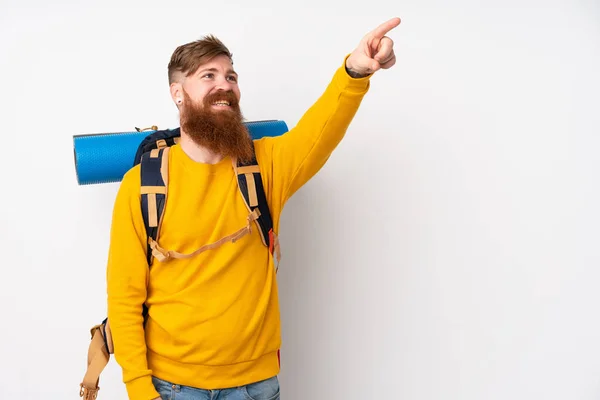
(221, 103)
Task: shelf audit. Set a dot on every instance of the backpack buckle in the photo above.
(87, 393)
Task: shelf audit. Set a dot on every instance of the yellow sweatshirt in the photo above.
(213, 319)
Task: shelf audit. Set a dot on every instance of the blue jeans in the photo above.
(263, 390)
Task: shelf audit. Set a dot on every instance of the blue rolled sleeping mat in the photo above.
(106, 157)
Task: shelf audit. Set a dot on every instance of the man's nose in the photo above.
(224, 84)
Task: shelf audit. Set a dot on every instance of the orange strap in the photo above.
(97, 359)
(163, 255)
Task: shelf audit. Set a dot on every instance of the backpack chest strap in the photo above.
(163, 255)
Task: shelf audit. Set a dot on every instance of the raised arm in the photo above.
(300, 153)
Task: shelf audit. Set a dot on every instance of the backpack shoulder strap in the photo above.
(157, 140)
(154, 167)
(154, 188)
(253, 192)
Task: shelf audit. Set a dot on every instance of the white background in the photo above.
(448, 250)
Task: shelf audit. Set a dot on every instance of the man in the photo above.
(213, 328)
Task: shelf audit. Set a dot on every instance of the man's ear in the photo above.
(177, 93)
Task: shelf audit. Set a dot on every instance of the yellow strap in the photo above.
(250, 169)
(163, 255)
(153, 189)
(152, 211)
(252, 196)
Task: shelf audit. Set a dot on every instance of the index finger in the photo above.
(384, 28)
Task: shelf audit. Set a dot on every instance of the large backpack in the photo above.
(153, 156)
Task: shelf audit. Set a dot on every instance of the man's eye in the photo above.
(209, 75)
(232, 78)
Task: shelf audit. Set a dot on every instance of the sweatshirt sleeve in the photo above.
(127, 276)
(301, 152)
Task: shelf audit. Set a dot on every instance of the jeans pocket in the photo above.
(263, 390)
(164, 388)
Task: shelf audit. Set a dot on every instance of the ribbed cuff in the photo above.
(142, 389)
(346, 82)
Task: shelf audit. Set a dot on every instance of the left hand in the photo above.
(375, 51)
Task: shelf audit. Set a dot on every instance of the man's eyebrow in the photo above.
(229, 71)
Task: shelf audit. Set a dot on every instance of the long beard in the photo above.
(222, 132)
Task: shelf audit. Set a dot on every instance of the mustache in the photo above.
(221, 132)
(227, 95)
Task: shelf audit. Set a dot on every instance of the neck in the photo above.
(198, 153)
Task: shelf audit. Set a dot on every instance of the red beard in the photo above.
(222, 132)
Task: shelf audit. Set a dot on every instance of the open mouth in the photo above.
(221, 103)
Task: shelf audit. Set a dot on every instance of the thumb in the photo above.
(375, 66)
